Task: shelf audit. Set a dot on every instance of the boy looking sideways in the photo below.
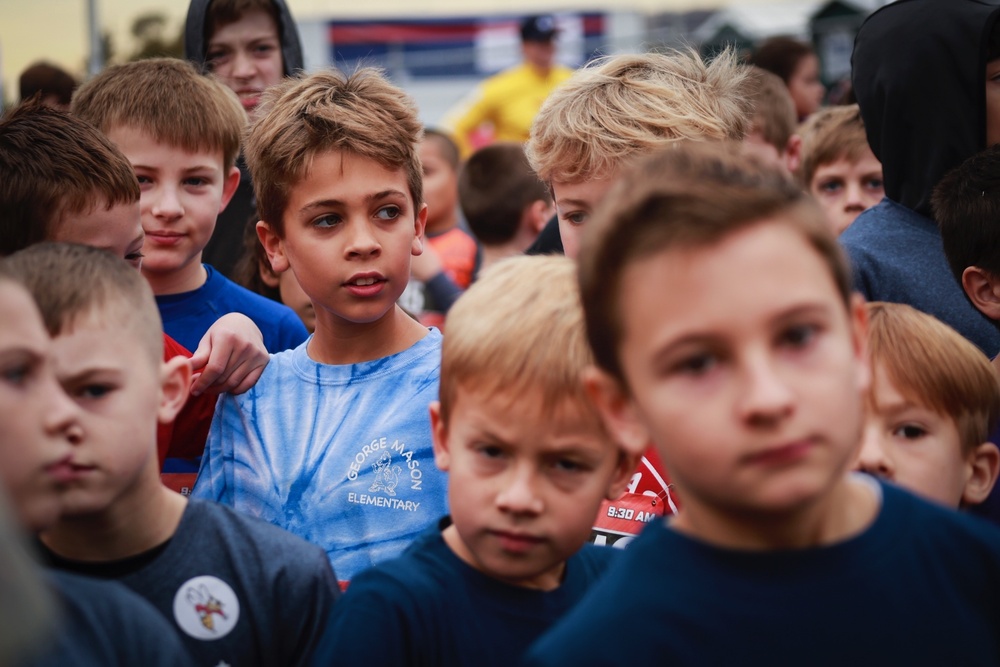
(81, 189)
(838, 168)
(752, 391)
(528, 463)
(237, 590)
(336, 443)
(181, 132)
(932, 408)
(99, 623)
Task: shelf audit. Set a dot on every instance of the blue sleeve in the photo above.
(292, 332)
(215, 477)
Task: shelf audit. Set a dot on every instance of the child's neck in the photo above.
(186, 279)
(847, 510)
(141, 519)
(441, 225)
(337, 341)
(494, 254)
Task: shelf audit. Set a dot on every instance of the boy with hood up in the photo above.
(248, 45)
(919, 76)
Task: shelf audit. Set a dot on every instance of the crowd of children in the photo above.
(687, 440)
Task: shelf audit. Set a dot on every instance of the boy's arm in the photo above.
(231, 356)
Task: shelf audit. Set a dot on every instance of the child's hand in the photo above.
(230, 357)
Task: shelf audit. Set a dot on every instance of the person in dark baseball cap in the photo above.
(539, 28)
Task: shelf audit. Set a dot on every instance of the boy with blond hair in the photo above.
(752, 391)
(334, 442)
(621, 107)
(81, 189)
(503, 201)
(181, 132)
(932, 408)
(528, 462)
(236, 589)
(838, 167)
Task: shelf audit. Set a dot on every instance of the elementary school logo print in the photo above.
(393, 471)
(206, 607)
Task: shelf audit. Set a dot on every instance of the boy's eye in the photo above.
(263, 49)
(93, 391)
(388, 213)
(489, 451)
(575, 218)
(135, 259)
(143, 180)
(17, 374)
(798, 336)
(326, 221)
(831, 186)
(874, 184)
(696, 364)
(910, 432)
(568, 465)
(196, 181)
(215, 58)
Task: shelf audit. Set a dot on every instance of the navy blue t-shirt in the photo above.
(920, 586)
(103, 624)
(187, 316)
(428, 607)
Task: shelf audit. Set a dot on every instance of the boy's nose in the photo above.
(853, 201)
(243, 65)
(362, 241)
(519, 495)
(766, 396)
(872, 457)
(63, 415)
(168, 205)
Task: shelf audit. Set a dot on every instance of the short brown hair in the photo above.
(780, 55)
(966, 205)
(224, 12)
(518, 332)
(46, 79)
(447, 147)
(691, 196)
(54, 165)
(70, 281)
(932, 365)
(170, 101)
(829, 135)
(495, 185)
(362, 114)
(774, 111)
(622, 106)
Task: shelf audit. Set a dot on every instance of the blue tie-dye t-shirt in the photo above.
(339, 455)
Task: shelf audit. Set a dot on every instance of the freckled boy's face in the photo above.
(745, 369)
(845, 188)
(38, 423)
(912, 445)
(524, 487)
(246, 56)
(575, 203)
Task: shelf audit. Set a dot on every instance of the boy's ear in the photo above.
(536, 215)
(858, 313)
(984, 466)
(267, 274)
(983, 291)
(793, 153)
(627, 462)
(419, 225)
(439, 435)
(229, 185)
(273, 246)
(617, 410)
(175, 383)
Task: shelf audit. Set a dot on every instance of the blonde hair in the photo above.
(829, 135)
(362, 114)
(169, 100)
(931, 364)
(518, 332)
(625, 105)
(693, 195)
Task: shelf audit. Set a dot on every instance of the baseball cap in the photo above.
(538, 28)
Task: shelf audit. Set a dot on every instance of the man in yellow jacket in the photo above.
(508, 101)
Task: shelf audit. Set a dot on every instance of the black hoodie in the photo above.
(225, 248)
(919, 76)
(919, 73)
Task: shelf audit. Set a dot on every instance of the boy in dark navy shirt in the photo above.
(719, 309)
(529, 464)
